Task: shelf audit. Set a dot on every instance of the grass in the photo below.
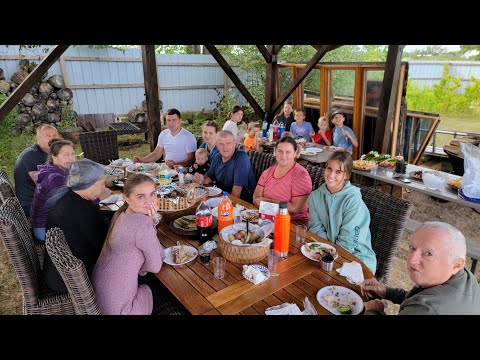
(456, 123)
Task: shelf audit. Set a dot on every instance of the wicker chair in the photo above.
(260, 162)
(316, 174)
(6, 191)
(388, 217)
(4, 177)
(38, 299)
(99, 146)
(73, 273)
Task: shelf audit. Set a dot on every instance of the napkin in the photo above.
(284, 309)
(352, 271)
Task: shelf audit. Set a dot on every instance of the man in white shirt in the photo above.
(178, 143)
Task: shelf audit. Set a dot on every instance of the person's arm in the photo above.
(237, 190)
(32, 175)
(258, 195)
(201, 179)
(256, 145)
(150, 158)
(185, 163)
(325, 138)
(297, 203)
(352, 138)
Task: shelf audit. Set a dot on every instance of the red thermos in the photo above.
(281, 235)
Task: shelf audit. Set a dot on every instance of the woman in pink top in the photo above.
(131, 251)
(286, 181)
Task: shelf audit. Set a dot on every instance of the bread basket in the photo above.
(193, 194)
(243, 254)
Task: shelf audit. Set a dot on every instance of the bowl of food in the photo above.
(239, 246)
(434, 180)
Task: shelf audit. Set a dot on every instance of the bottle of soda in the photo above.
(204, 221)
(281, 234)
(225, 212)
(281, 128)
(181, 175)
(265, 126)
(275, 130)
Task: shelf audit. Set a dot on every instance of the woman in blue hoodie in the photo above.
(338, 213)
(50, 177)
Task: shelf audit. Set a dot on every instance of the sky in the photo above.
(410, 48)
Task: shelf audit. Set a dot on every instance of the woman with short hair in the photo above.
(286, 181)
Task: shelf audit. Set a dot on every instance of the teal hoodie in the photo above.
(344, 219)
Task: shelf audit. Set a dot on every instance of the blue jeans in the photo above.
(39, 233)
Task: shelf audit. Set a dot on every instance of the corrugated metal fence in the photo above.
(428, 73)
(108, 80)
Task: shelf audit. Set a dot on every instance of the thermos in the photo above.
(281, 235)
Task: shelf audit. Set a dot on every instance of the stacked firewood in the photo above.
(48, 101)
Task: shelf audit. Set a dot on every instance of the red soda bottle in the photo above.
(204, 221)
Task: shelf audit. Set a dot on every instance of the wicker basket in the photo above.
(242, 254)
(193, 195)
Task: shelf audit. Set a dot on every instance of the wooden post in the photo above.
(386, 107)
(30, 80)
(151, 94)
(63, 70)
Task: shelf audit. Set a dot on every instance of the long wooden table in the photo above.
(195, 287)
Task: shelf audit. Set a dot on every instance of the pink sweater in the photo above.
(134, 250)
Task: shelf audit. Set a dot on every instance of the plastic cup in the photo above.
(219, 267)
(273, 259)
(300, 231)
(204, 256)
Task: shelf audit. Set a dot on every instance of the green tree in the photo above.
(466, 48)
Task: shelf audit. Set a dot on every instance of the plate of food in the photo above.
(307, 152)
(315, 250)
(455, 183)
(186, 223)
(416, 174)
(250, 215)
(364, 164)
(340, 300)
(180, 255)
(214, 191)
(255, 273)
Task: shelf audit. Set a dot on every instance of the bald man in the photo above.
(26, 165)
(436, 260)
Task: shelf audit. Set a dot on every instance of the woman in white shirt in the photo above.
(236, 115)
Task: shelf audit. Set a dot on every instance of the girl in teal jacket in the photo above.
(338, 213)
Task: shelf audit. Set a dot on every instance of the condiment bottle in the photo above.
(225, 212)
(281, 235)
(181, 179)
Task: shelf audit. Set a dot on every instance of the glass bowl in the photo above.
(434, 180)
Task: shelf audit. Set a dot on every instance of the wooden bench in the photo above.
(473, 249)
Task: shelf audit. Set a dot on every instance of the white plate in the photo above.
(304, 152)
(213, 202)
(313, 149)
(214, 191)
(309, 254)
(112, 199)
(340, 296)
(261, 268)
(169, 259)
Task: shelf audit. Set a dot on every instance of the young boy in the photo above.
(343, 136)
(251, 141)
(300, 128)
(324, 135)
(200, 165)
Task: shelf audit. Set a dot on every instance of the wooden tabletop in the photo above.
(195, 287)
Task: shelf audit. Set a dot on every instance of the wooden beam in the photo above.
(271, 80)
(30, 80)
(386, 107)
(302, 75)
(265, 53)
(236, 80)
(151, 94)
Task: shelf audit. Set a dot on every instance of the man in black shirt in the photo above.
(26, 165)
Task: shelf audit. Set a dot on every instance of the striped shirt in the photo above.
(296, 182)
